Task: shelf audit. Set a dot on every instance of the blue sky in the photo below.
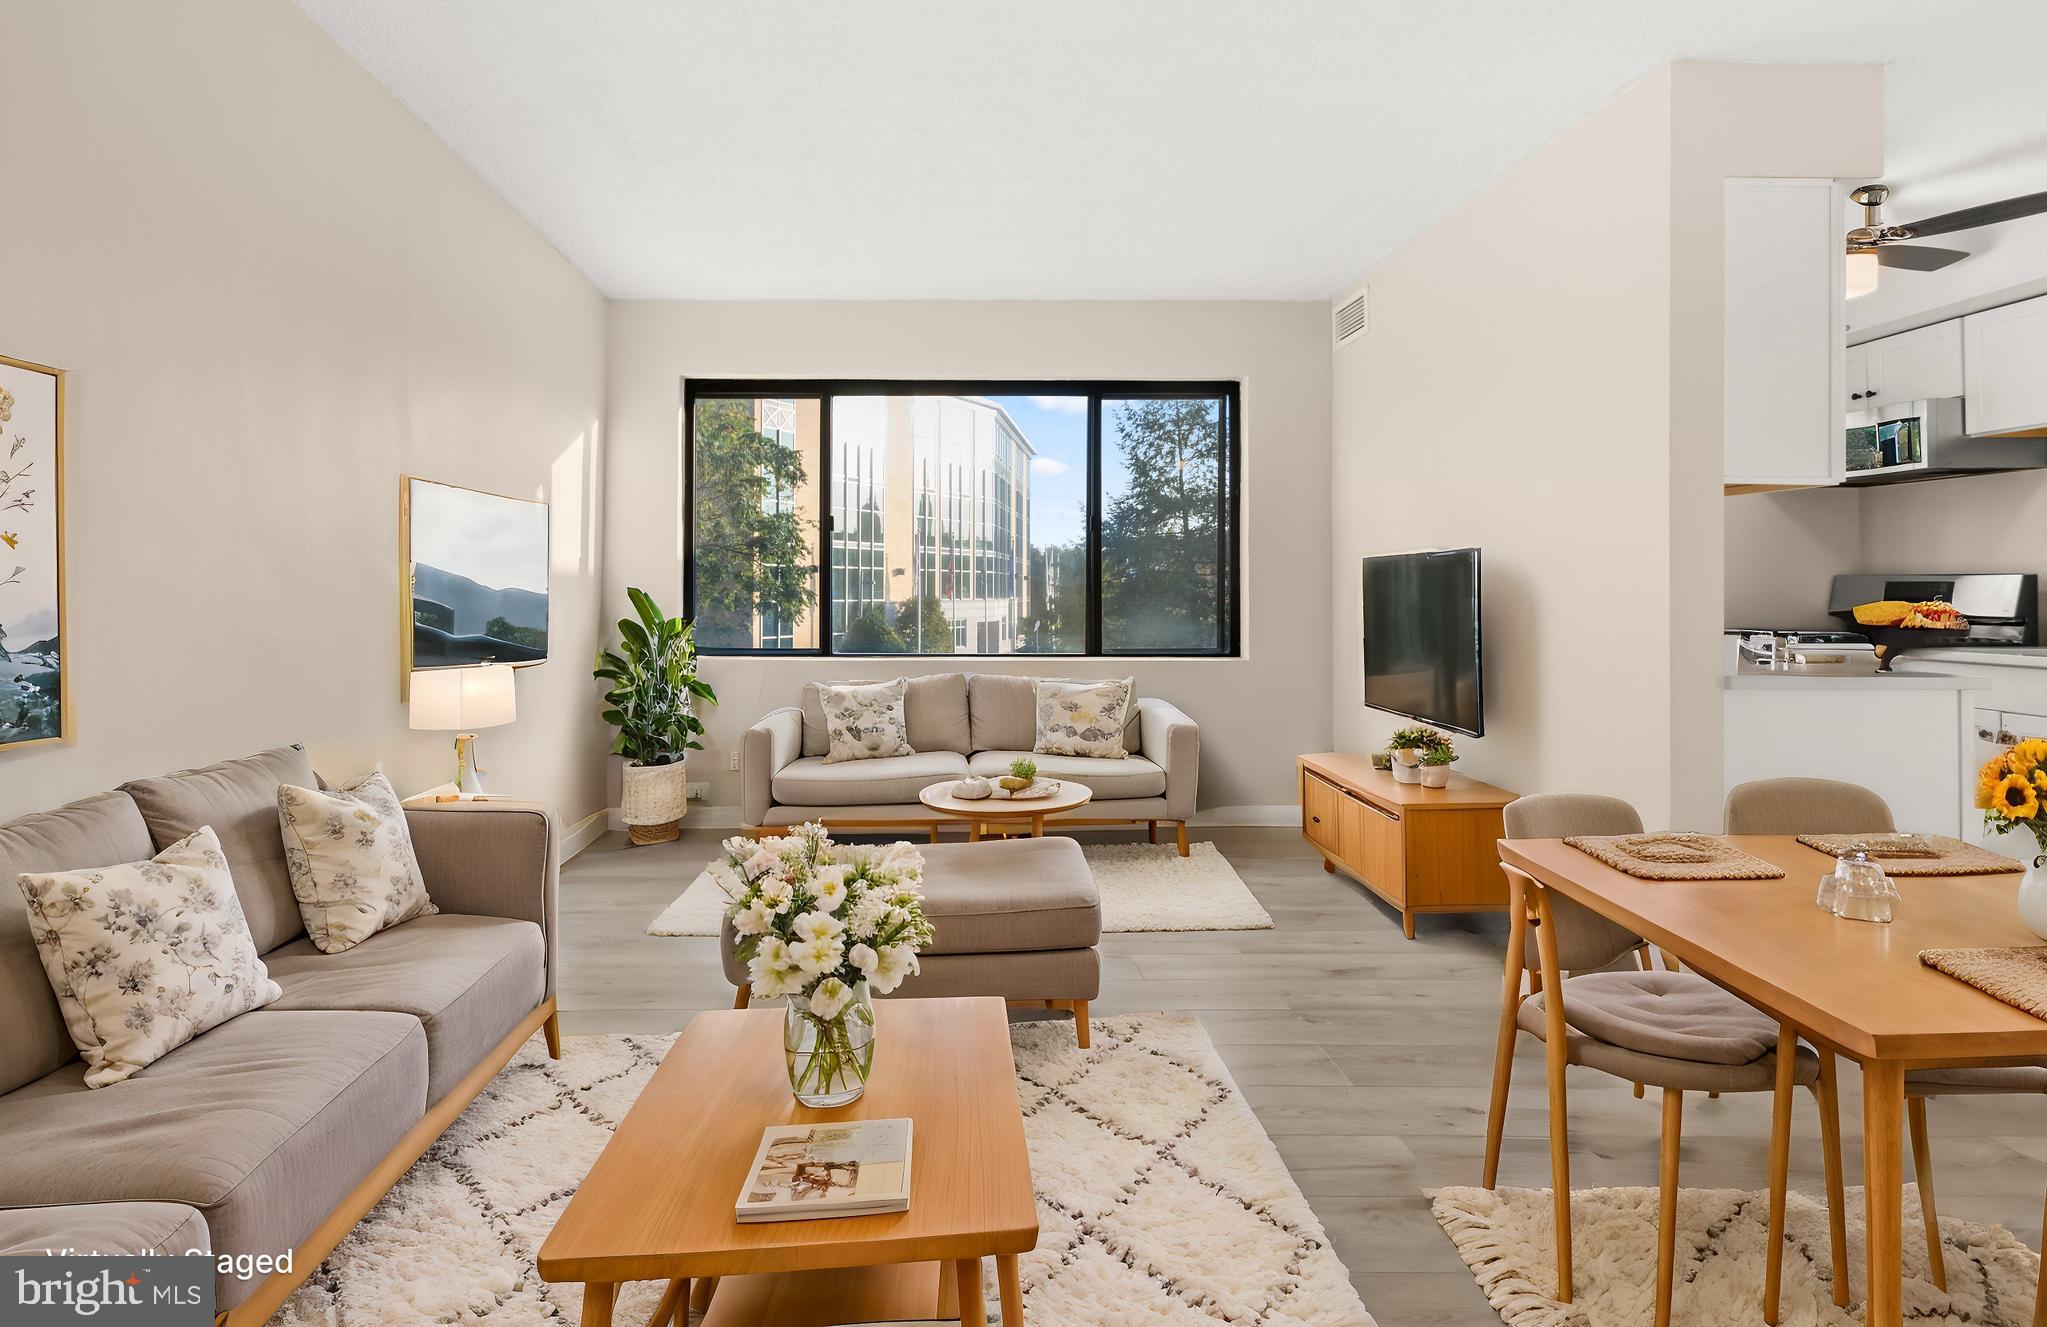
(1057, 427)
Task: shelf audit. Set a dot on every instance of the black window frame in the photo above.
(1229, 579)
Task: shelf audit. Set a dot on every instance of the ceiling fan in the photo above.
(1873, 244)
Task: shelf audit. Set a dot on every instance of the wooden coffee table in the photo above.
(658, 1203)
(1004, 811)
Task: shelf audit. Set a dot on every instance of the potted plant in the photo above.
(1436, 762)
(1407, 745)
(651, 700)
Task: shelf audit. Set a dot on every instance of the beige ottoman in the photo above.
(1018, 918)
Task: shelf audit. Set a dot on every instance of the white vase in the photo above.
(1435, 776)
(2033, 898)
(655, 799)
(1403, 773)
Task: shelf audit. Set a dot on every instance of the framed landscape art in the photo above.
(472, 579)
(36, 704)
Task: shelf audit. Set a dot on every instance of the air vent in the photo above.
(1347, 317)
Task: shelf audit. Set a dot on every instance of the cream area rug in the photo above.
(1507, 1238)
(1145, 887)
(1160, 1199)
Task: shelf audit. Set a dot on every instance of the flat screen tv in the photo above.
(475, 588)
(1422, 647)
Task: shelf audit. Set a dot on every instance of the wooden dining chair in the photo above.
(1921, 1086)
(1806, 806)
(1673, 1030)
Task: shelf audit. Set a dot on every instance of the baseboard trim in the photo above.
(585, 832)
(1217, 817)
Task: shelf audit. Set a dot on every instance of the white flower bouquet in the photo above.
(826, 926)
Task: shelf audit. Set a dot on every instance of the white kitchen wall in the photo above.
(276, 292)
(1256, 712)
(1783, 552)
(1556, 399)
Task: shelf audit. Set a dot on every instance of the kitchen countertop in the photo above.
(1860, 681)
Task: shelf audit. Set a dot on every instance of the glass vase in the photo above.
(829, 1058)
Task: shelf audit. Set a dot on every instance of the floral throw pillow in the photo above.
(866, 720)
(1083, 718)
(144, 957)
(350, 857)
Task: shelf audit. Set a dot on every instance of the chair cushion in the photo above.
(263, 1124)
(1662, 1071)
(935, 707)
(1132, 776)
(239, 799)
(2003, 1079)
(103, 830)
(810, 781)
(468, 980)
(104, 1227)
(1677, 1015)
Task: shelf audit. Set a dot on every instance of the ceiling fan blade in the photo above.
(1989, 214)
(1917, 257)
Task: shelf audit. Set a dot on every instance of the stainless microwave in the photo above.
(1908, 440)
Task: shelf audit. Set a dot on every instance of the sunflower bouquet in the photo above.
(2011, 791)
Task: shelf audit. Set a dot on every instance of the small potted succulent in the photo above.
(1407, 746)
(1022, 774)
(1436, 762)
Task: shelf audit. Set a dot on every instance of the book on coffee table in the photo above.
(805, 1171)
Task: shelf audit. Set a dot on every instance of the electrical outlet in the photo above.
(732, 759)
(699, 791)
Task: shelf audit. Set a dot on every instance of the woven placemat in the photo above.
(2017, 976)
(1916, 854)
(1675, 857)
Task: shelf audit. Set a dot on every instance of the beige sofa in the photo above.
(963, 724)
(278, 1129)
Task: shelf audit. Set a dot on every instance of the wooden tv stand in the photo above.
(1420, 849)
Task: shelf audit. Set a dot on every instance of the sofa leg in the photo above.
(934, 833)
(1080, 1031)
(740, 1000)
(1151, 831)
(1183, 838)
(553, 1028)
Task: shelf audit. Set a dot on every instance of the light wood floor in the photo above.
(1366, 1057)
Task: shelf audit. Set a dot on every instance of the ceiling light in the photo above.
(1862, 271)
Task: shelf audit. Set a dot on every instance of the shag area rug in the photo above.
(1160, 1199)
(1145, 887)
(1507, 1239)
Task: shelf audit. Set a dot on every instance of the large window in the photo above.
(962, 518)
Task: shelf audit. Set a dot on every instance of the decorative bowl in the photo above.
(972, 789)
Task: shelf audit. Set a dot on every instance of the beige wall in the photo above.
(1783, 552)
(1543, 378)
(276, 292)
(1256, 712)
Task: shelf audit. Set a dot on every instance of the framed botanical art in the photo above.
(35, 689)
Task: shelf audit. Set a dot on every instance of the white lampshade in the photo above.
(464, 699)
(1862, 272)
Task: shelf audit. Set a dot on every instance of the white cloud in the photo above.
(1071, 405)
(1048, 465)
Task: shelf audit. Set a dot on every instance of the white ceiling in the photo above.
(1104, 149)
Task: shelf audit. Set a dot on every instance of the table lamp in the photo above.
(464, 699)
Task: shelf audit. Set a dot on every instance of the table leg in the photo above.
(598, 1297)
(674, 1305)
(1883, 1179)
(973, 831)
(1037, 827)
(973, 1308)
(1011, 1287)
(700, 1293)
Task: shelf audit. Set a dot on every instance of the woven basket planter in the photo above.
(656, 799)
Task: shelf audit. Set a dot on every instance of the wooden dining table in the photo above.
(1855, 987)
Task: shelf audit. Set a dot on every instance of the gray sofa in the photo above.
(962, 724)
(278, 1129)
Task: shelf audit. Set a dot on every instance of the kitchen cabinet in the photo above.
(1855, 379)
(1784, 358)
(2004, 353)
(1920, 365)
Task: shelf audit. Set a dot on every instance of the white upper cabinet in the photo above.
(2005, 352)
(1784, 357)
(1856, 381)
(1919, 365)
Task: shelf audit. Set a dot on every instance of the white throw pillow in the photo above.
(144, 957)
(866, 720)
(1083, 718)
(350, 857)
